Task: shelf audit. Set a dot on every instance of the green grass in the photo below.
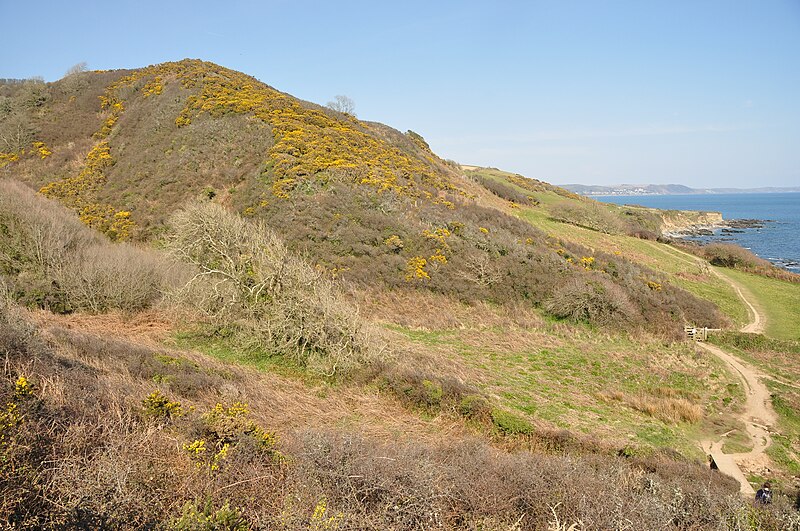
(778, 300)
(785, 449)
(565, 377)
(224, 350)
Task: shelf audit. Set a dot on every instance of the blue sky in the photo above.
(704, 93)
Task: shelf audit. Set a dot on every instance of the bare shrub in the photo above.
(54, 261)
(246, 277)
(730, 255)
(105, 277)
(596, 300)
(469, 485)
(504, 191)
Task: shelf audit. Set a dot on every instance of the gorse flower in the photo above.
(415, 269)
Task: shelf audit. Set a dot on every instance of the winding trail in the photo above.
(757, 415)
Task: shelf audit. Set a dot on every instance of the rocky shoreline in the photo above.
(731, 226)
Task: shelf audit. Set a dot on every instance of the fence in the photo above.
(698, 334)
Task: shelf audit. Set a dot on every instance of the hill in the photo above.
(367, 203)
(228, 305)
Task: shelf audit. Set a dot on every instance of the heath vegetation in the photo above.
(227, 308)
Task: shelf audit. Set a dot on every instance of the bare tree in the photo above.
(343, 104)
(16, 132)
(76, 69)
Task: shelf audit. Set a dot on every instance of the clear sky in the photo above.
(697, 92)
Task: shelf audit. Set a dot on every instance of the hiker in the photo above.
(764, 494)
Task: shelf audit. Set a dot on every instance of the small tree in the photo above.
(76, 69)
(342, 104)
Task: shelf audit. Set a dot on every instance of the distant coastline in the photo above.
(635, 190)
(767, 223)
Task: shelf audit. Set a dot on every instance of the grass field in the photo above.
(627, 389)
(778, 300)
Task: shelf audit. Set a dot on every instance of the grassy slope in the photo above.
(555, 376)
(570, 377)
(778, 300)
(681, 270)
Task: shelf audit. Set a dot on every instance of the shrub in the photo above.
(209, 518)
(475, 407)
(55, 262)
(590, 215)
(246, 277)
(107, 277)
(504, 191)
(733, 256)
(159, 407)
(511, 424)
(434, 393)
(593, 299)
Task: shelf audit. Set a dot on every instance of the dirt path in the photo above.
(757, 320)
(757, 415)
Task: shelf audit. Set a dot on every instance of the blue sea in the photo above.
(778, 241)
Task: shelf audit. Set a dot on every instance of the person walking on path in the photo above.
(764, 494)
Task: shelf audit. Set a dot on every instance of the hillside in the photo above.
(222, 295)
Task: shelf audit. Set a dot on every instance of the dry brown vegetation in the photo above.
(87, 449)
(662, 403)
(104, 426)
(245, 278)
(51, 260)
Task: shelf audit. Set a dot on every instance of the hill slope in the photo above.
(367, 203)
(410, 332)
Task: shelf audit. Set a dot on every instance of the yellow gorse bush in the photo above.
(415, 269)
(224, 428)
(42, 150)
(308, 142)
(11, 417)
(22, 388)
(78, 193)
(158, 406)
(39, 148)
(320, 519)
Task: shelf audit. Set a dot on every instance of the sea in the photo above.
(779, 239)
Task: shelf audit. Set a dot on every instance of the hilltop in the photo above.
(219, 303)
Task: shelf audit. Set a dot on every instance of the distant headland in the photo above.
(667, 189)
